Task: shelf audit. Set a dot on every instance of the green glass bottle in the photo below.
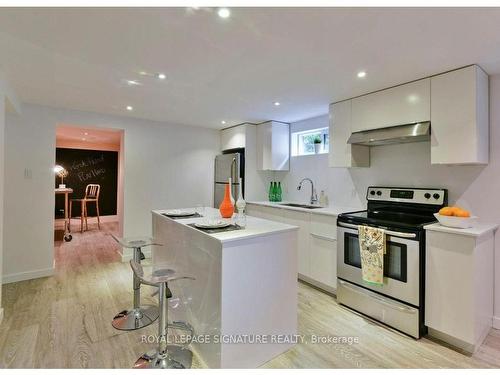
(270, 194)
(279, 192)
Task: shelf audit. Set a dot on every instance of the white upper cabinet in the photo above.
(405, 104)
(273, 146)
(459, 117)
(234, 137)
(341, 153)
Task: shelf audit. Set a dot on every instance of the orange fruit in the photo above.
(462, 213)
(446, 211)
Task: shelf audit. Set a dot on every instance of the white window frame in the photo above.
(298, 145)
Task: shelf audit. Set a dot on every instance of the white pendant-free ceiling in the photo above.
(233, 69)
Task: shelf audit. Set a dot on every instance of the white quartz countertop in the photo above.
(477, 230)
(330, 210)
(255, 227)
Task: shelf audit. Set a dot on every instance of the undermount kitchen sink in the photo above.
(300, 205)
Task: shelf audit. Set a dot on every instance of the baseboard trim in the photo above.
(496, 322)
(28, 275)
(128, 256)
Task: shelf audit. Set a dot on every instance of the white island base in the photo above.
(243, 303)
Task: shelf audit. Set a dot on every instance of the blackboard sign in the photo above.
(88, 167)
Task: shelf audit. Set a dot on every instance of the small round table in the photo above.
(67, 228)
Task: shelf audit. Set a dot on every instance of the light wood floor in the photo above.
(64, 322)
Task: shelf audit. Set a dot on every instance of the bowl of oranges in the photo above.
(455, 217)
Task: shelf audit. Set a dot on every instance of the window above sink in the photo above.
(303, 141)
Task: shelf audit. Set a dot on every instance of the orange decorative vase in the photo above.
(226, 208)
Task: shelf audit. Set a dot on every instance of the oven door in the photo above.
(401, 263)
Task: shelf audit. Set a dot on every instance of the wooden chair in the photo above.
(91, 195)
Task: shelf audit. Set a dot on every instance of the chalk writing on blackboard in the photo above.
(91, 161)
(86, 162)
(85, 176)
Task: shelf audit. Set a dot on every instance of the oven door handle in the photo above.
(388, 232)
(383, 301)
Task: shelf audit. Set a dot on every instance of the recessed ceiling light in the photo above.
(161, 76)
(132, 82)
(85, 133)
(130, 108)
(83, 139)
(362, 74)
(277, 104)
(222, 122)
(224, 13)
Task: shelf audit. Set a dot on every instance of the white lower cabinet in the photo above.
(459, 284)
(323, 259)
(301, 220)
(317, 243)
(273, 214)
(323, 250)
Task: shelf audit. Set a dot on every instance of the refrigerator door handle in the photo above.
(233, 174)
(233, 164)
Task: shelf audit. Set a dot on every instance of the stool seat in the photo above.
(134, 242)
(159, 274)
(165, 356)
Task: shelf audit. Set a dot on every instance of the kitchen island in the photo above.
(243, 303)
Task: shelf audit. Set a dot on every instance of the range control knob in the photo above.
(379, 193)
(436, 196)
(427, 195)
(372, 192)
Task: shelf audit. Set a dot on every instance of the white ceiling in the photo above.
(233, 69)
(90, 135)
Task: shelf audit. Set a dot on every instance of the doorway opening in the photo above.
(88, 181)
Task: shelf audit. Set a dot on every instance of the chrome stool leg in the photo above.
(139, 316)
(166, 356)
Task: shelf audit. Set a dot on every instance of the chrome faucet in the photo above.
(314, 196)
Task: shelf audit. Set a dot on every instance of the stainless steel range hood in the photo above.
(418, 132)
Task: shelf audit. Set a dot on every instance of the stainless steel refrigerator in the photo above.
(231, 164)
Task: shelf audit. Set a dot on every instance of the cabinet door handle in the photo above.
(326, 238)
(383, 301)
(388, 232)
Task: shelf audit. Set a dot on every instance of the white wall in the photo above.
(2, 152)
(474, 187)
(8, 102)
(165, 165)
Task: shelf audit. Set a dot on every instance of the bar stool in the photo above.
(92, 192)
(165, 356)
(139, 316)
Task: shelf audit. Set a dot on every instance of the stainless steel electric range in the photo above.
(402, 213)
